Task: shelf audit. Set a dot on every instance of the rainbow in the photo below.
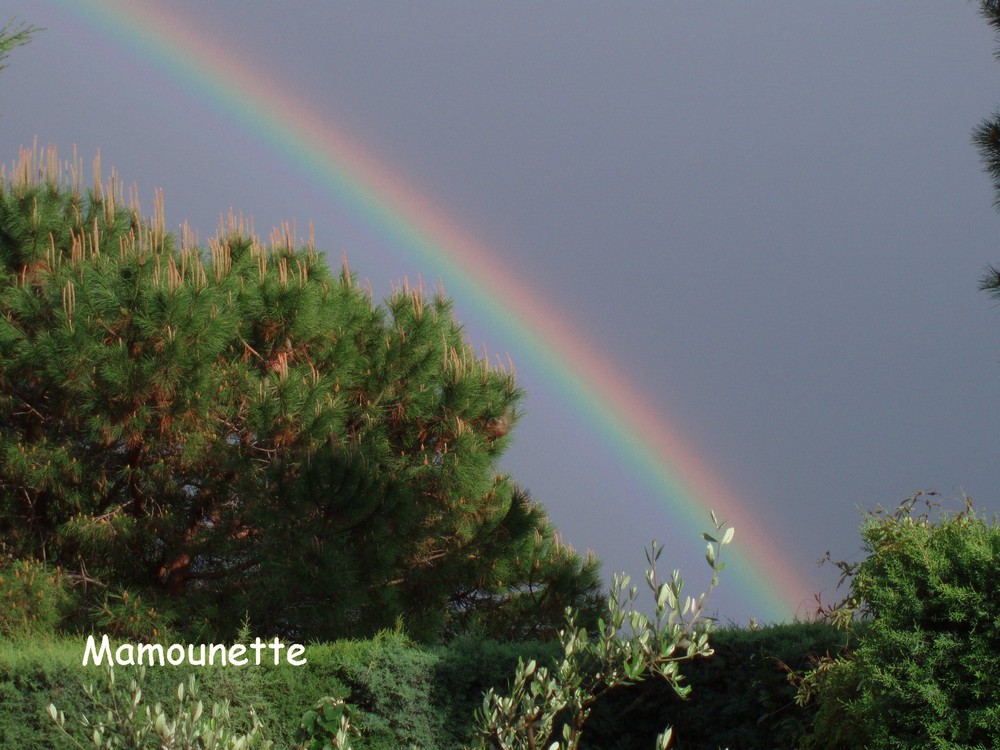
(655, 450)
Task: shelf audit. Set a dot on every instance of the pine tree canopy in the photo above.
(193, 436)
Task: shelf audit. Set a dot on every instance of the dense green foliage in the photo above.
(924, 672)
(399, 693)
(194, 434)
(919, 670)
(931, 651)
(33, 597)
(36, 672)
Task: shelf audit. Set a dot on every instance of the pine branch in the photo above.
(990, 282)
(12, 36)
(990, 10)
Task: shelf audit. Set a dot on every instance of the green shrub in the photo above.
(391, 691)
(398, 693)
(36, 672)
(33, 597)
(830, 688)
(924, 672)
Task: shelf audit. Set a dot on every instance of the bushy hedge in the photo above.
(925, 673)
(404, 695)
(401, 694)
(741, 697)
(928, 586)
(38, 672)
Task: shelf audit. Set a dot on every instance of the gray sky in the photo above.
(768, 214)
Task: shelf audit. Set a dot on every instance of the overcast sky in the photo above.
(769, 215)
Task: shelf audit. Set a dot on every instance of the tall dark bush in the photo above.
(925, 672)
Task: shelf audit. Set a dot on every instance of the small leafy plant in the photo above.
(326, 726)
(121, 720)
(541, 699)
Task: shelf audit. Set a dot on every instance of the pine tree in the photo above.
(987, 139)
(199, 434)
